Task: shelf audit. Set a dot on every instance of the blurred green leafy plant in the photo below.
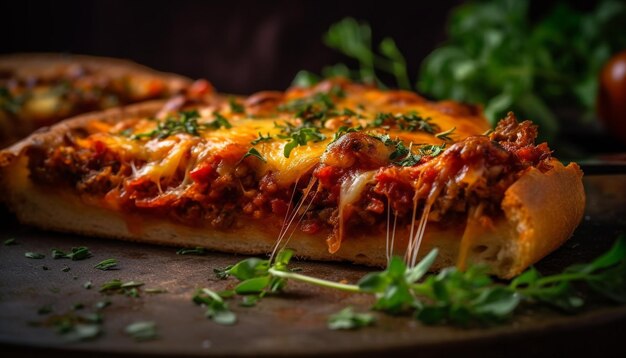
(497, 56)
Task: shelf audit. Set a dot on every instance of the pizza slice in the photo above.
(37, 89)
(339, 171)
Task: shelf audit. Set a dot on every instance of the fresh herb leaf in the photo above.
(354, 40)
(9, 102)
(219, 122)
(446, 134)
(190, 251)
(142, 330)
(216, 308)
(235, 107)
(300, 137)
(65, 269)
(88, 285)
(77, 253)
(409, 122)
(249, 301)
(314, 110)
(114, 286)
(34, 255)
(344, 130)
(254, 153)
(305, 79)
(348, 319)
(183, 122)
(107, 264)
(10, 242)
(102, 304)
(261, 138)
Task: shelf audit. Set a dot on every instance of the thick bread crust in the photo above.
(42, 64)
(541, 210)
(544, 208)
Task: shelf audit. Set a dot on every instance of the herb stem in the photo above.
(315, 281)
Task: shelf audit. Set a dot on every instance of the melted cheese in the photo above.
(350, 193)
(163, 156)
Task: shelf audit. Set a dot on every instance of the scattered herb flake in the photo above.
(192, 251)
(216, 308)
(34, 255)
(235, 107)
(155, 290)
(107, 264)
(88, 285)
(10, 242)
(446, 134)
(254, 153)
(142, 330)
(261, 138)
(348, 319)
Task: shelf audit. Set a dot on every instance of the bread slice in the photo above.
(37, 86)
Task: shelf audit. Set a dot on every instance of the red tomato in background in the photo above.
(612, 96)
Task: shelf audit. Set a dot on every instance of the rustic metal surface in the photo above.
(290, 324)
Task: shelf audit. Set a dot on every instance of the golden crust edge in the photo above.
(545, 209)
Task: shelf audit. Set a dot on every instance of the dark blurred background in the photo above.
(248, 46)
(240, 46)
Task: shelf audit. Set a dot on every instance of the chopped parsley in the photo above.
(348, 319)
(317, 107)
(344, 130)
(184, 122)
(191, 251)
(107, 264)
(261, 138)
(405, 156)
(216, 308)
(10, 103)
(117, 286)
(219, 122)
(10, 242)
(409, 122)
(235, 107)
(254, 153)
(142, 330)
(446, 134)
(300, 137)
(77, 253)
(34, 255)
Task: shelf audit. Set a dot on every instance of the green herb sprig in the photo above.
(452, 296)
(184, 122)
(76, 254)
(108, 264)
(409, 122)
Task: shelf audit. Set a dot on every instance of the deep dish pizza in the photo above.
(339, 171)
(40, 89)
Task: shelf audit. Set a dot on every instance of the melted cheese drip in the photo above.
(350, 193)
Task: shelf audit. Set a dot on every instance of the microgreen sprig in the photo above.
(452, 296)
